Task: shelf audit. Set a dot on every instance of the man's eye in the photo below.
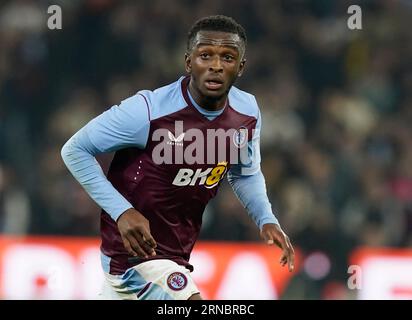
(204, 55)
(228, 57)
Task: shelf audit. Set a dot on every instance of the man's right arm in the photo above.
(126, 125)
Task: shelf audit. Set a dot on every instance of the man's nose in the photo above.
(215, 65)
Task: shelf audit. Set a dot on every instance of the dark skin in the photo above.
(219, 63)
(214, 62)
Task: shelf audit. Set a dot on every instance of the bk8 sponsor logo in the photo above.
(210, 177)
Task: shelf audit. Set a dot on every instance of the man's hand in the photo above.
(273, 234)
(135, 231)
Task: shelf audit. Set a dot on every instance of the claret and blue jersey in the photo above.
(166, 167)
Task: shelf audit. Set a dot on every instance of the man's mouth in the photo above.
(213, 84)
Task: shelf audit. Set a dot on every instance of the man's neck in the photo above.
(207, 103)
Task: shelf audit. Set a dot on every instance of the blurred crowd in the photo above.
(336, 107)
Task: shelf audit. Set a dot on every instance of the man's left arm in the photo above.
(248, 184)
(251, 191)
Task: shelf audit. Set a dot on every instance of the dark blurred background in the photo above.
(336, 107)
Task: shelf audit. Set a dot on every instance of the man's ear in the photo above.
(241, 67)
(188, 63)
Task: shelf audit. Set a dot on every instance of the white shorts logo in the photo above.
(177, 281)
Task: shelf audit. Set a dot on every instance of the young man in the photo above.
(167, 167)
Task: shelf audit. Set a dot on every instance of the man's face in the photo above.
(214, 62)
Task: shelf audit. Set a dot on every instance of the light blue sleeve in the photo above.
(126, 125)
(248, 183)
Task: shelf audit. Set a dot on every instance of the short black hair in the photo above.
(216, 23)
